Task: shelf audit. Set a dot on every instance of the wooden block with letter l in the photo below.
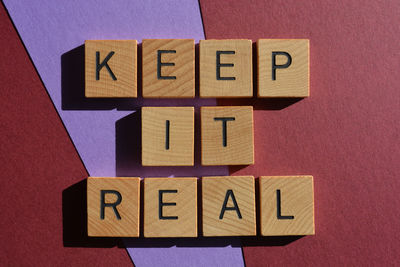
(287, 205)
(167, 136)
(227, 135)
(226, 68)
(113, 206)
(229, 206)
(283, 67)
(168, 68)
(111, 68)
(170, 207)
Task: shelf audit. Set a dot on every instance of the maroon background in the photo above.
(346, 134)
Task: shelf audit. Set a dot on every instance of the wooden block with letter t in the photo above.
(111, 68)
(227, 135)
(168, 68)
(113, 206)
(226, 68)
(167, 136)
(283, 67)
(229, 206)
(287, 205)
(170, 207)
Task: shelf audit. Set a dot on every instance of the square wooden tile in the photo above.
(227, 135)
(170, 207)
(168, 68)
(226, 68)
(283, 67)
(113, 206)
(229, 206)
(167, 136)
(111, 68)
(287, 205)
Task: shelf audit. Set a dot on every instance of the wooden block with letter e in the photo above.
(170, 207)
(287, 205)
(229, 206)
(167, 136)
(226, 68)
(168, 68)
(111, 68)
(227, 135)
(113, 206)
(283, 67)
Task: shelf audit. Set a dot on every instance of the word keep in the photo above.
(168, 68)
(228, 206)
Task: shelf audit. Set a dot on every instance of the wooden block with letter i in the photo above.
(227, 135)
(168, 68)
(167, 136)
(287, 205)
(113, 206)
(283, 67)
(229, 206)
(111, 68)
(226, 68)
(170, 207)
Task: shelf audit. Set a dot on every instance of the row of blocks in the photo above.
(226, 136)
(228, 206)
(225, 68)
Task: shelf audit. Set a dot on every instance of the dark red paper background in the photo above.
(346, 134)
(38, 161)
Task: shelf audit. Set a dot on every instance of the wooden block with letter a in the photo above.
(287, 205)
(229, 206)
(113, 206)
(167, 136)
(170, 207)
(168, 68)
(226, 68)
(283, 67)
(111, 68)
(227, 135)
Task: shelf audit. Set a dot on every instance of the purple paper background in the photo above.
(49, 30)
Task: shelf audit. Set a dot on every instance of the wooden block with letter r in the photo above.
(111, 68)
(287, 205)
(168, 68)
(283, 67)
(227, 135)
(167, 136)
(170, 207)
(113, 206)
(229, 206)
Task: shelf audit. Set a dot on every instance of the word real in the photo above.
(225, 68)
(228, 206)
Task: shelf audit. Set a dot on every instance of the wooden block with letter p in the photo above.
(111, 68)
(227, 135)
(229, 206)
(226, 68)
(170, 207)
(167, 136)
(168, 68)
(113, 206)
(287, 205)
(283, 68)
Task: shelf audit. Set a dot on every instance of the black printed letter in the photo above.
(284, 66)
(114, 205)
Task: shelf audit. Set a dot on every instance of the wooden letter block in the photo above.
(227, 135)
(113, 206)
(110, 68)
(167, 136)
(287, 205)
(283, 68)
(168, 68)
(229, 206)
(170, 207)
(226, 68)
